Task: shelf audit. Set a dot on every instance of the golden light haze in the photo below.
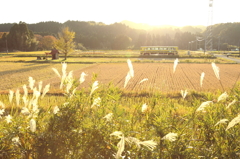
(152, 12)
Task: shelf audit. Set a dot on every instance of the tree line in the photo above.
(92, 35)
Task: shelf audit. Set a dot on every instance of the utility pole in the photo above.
(208, 34)
(6, 46)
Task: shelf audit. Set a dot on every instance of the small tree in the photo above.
(65, 43)
(47, 42)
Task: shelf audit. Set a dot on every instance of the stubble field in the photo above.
(160, 76)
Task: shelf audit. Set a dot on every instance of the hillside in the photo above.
(130, 35)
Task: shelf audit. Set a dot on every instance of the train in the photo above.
(159, 50)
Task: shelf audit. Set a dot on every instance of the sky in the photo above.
(152, 12)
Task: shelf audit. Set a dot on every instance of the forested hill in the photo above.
(94, 35)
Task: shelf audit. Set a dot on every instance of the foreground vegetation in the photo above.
(102, 122)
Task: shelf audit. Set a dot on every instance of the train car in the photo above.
(159, 50)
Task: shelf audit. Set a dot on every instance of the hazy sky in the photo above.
(153, 12)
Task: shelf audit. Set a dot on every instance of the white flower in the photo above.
(222, 121)
(233, 102)
(170, 136)
(203, 105)
(175, 65)
(108, 117)
(82, 77)
(8, 118)
(233, 122)
(144, 108)
(94, 87)
(201, 78)
(223, 96)
(216, 70)
(96, 102)
(55, 110)
(184, 93)
(11, 96)
(143, 80)
(32, 125)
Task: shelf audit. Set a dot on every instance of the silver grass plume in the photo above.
(25, 90)
(216, 70)
(33, 126)
(121, 143)
(55, 110)
(222, 96)
(17, 94)
(31, 82)
(201, 78)
(233, 102)
(2, 104)
(127, 78)
(143, 80)
(144, 108)
(131, 140)
(130, 73)
(11, 93)
(184, 93)
(108, 117)
(96, 102)
(45, 90)
(222, 121)
(56, 71)
(150, 144)
(130, 66)
(175, 65)
(170, 137)
(94, 87)
(204, 105)
(40, 86)
(232, 123)
(82, 77)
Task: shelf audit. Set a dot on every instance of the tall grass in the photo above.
(101, 122)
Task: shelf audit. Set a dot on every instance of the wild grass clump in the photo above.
(102, 122)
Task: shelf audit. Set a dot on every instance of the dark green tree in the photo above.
(21, 38)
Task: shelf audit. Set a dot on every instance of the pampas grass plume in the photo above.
(201, 78)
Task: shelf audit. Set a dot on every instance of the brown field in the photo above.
(160, 76)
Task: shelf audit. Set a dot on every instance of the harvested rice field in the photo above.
(158, 76)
